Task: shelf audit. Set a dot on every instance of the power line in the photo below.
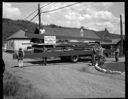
(33, 17)
(45, 5)
(30, 14)
(55, 9)
(60, 8)
(37, 10)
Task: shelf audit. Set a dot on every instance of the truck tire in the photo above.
(74, 58)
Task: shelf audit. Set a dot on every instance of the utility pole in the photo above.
(39, 17)
(121, 37)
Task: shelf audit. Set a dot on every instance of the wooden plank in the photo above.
(57, 54)
(75, 52)
(40, 55)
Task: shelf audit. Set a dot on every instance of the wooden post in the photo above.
(121, 37)
(39, 17)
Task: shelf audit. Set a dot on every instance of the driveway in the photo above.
(68, 80)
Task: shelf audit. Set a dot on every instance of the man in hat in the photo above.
(20, 56)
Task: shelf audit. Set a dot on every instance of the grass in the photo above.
(119, 66)
(14, 88)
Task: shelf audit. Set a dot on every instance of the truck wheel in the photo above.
(74, 58)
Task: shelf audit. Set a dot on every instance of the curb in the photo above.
(108, 71)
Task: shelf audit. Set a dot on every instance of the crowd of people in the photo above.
(98, 57)
(97, 54)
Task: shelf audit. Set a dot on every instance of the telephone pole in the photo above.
(39, 17)
(121, 37)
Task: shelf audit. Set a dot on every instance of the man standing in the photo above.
(117, 54)
(20, 56)
(93, 55)
(44, 58)
(100, 56)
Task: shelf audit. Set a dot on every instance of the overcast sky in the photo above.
(92, 15)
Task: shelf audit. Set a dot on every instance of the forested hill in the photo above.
(12, 26)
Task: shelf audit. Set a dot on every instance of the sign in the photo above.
(42, 31)
(73, 41)
(50, 39)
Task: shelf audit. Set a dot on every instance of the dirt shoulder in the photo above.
(68, 80)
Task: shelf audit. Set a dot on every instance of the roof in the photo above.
(67, 33)
(60, 33)
(106, 34)
(70, 32)
(114, 41)
(103, 34)
(18, 35)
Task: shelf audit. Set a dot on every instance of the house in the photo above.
(115, 40)
(106, 34)
(16, 41)
(22, 39)
(114, 44)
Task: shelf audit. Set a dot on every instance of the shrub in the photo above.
(14, 89)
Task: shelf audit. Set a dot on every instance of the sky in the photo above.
(92, 15)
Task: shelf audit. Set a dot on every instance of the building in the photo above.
(22, 39)
(114, 44)
(16, 41)
(69, 34)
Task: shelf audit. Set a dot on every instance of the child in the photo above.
(20, 56)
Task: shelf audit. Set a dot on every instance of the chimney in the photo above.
(82, 31)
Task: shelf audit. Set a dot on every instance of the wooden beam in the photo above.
(121, 36)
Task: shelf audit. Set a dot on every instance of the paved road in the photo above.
(68, 80)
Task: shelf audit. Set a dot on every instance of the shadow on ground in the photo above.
(55, 62)
(33, 63)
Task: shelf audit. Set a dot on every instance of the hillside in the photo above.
(11, 26)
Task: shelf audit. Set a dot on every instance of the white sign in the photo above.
(42, 31)
(73, 41)
(50, 39)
